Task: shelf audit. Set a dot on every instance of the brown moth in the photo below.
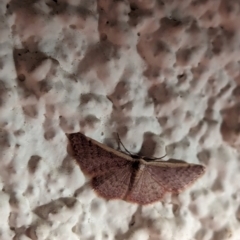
(116, 175)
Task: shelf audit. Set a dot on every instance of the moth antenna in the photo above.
(154, 159)
(119, 141)
(160, 157)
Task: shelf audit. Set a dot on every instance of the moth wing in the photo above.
(95, 158)
(145, 189)
(113, 185)
(174, 177)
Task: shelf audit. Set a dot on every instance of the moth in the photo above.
(117, 175)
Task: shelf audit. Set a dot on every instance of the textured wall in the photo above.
(163, 74)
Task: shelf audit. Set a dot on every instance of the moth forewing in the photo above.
(107, 148)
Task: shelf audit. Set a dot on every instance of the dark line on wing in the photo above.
(135, 168)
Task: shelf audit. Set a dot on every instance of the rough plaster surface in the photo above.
(163, 74)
